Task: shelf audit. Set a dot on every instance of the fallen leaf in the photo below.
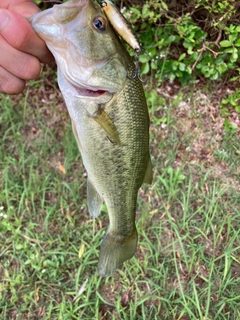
(37, 294)
(61, 168)
(81, 251)
(153, 211)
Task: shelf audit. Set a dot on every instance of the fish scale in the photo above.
(109, 117)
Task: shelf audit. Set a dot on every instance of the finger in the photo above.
(9, 84)
(18, 32)
(20, 64)
(25, 8)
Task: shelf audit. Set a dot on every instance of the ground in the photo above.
(187, 263)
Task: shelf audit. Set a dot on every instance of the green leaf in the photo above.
(179, 74)
(145, 11)
(229, 50)
(172, 38)
(225, 43)
(145, 68)
(190, 51)
(237, 108)
(154, 66)
(222, 67)
(164, 5)
(152, 52)
(224, 101)
(214, 76)
(237, 43)
(182, 56)
(189, 70)
(233, 37)
(234, 57)
(182, 66)
(143, 58)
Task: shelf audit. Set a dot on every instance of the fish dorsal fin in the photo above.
(94, 201)
(148, 174)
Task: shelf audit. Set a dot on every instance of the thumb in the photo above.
(25, 9)
(17, 31)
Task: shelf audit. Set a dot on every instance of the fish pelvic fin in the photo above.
(94, 201)
(148, 174)
(116, 249)
(103, 119)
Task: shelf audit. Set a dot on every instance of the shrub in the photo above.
(189, 39)
(184, 39)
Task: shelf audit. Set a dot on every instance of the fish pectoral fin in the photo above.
(94, 201)
(148, 174)
(116, 249)
(103, 119)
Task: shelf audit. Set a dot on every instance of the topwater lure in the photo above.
(121, 26)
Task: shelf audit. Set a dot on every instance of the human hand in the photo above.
(21, 50)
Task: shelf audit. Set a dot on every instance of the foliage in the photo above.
(184, 40)
(229, 105)
(231, 101)
(180, 47)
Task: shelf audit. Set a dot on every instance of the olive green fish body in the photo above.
(109, 117)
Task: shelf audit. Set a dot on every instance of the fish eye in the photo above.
(99, 23)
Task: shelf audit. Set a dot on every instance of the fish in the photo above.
(109, 116)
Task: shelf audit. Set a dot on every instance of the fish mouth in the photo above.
(91, 93)
(83, 89)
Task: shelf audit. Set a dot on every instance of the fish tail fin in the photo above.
(116, 249)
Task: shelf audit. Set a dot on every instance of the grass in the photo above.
(187, 264)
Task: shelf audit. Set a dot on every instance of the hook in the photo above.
(137, 69)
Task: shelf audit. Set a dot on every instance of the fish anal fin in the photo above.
(94, 201)
(148, 174)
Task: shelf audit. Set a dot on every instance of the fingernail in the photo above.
(4, 18)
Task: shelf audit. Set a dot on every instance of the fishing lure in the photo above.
(121, 25)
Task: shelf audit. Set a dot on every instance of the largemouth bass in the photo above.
(109, 117)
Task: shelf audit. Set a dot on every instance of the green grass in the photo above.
(187, 264)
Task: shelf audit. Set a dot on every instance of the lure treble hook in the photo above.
(137, 69)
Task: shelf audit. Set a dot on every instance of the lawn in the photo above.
(187, 264)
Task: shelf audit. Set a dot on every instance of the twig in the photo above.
(218, 38)
(204, 48)
(31, 239)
